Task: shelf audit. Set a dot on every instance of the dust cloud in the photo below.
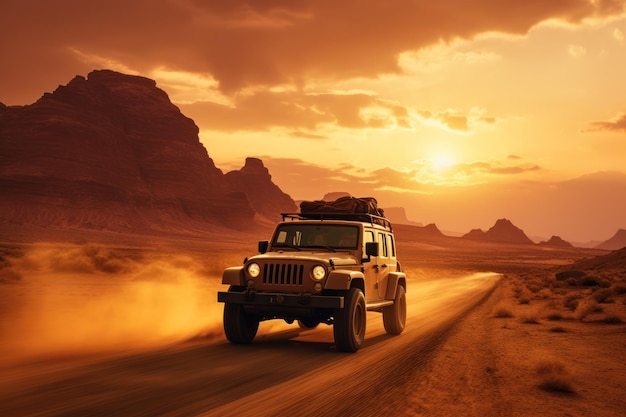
(65, 300)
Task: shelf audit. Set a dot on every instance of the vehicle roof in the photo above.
(340, 218)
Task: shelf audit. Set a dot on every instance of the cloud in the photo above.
(303, 112)
(577, 51)
(243, 43)
(617, 124)
(455, 121)
(421, 177)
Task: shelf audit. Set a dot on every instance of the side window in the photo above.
(390, 246)
(368, 236)
(382, 244)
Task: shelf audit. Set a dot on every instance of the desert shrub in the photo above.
(545, 293)
(502, 311)
(554, 316)
(558, 329)
(554, 377)
(529, 318)
(523, 295)
(571, 300)
(619, 289)
(612, 319)
(584, 308)
(602, 295)
(535, 286)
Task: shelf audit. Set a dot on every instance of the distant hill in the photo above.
(397, 215)
(615, 260)
(556, 241)
(111, 152)
(502, 231)
(618, 241)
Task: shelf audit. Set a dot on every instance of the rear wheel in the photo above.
(349, 326)
(394, 316)
(239, 326)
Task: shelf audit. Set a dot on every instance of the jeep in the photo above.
(319, 268)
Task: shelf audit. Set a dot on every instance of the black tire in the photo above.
(394, 316)
(308, 323)
(349, 326)
(239, 327)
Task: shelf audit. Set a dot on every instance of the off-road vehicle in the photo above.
(319, 268)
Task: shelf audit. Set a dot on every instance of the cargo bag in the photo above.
(343, 205)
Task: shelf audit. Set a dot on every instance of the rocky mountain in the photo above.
(618, 241)
(502, 231)
(111, 151)
(556, 241)
(255, 181)
(397, 215)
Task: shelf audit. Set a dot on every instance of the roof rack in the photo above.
(355, 217)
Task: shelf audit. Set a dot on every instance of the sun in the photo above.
(441, 162)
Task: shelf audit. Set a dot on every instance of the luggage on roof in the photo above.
(343, 205)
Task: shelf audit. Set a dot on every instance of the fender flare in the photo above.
(395, 279)
(342, 279)
(233, 276)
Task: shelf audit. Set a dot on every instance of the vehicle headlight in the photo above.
(319, 272)
(254, 270)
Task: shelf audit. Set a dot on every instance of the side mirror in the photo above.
(263, 245)
(371, 249)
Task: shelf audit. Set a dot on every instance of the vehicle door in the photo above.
(384, 261)
(370, 268)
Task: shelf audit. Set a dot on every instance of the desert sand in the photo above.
(110, 324)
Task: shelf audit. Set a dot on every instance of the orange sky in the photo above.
(462, 112)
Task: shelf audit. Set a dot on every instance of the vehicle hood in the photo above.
(336, 258)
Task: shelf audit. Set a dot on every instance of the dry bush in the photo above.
(545, 293)
(558, 329)
(619, 289)
(502, 311)
(584, 308)
(603, 295)
(529, 318)
(571, 300)
(612, 319)
(535, 286)
(554, 377)
(554, 316)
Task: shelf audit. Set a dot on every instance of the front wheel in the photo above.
(239, 326)
(349, 327)
(394, 316)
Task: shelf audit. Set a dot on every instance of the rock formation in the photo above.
(111, 151)
(503, 231)
(556, 241)
(255, 181)
(618, 241)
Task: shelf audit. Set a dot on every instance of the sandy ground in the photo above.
(134, 329)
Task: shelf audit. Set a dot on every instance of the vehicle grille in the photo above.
(283, 274)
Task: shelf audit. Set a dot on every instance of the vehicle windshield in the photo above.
(328, 236)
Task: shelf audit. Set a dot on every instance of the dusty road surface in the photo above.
(286, 371)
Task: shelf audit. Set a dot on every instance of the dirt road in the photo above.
(286, 371)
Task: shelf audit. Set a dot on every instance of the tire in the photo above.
(308, 323)
(394, 316)
(239, 327)
(349, 326)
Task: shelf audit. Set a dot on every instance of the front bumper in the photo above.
(275, 299)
